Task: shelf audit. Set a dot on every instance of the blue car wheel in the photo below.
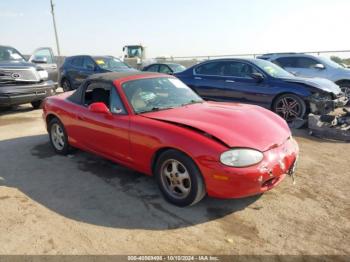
(290, 107)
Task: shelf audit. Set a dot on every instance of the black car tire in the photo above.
(64, 149)
(66, 85)
(36, 104)
(285, 104)
(345, 87)
(185, 166)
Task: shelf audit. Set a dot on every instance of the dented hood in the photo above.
(236, 125)
(320, 83)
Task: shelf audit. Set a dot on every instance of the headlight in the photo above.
(241, 157)
(43, 74)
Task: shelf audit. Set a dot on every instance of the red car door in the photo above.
(106, 134)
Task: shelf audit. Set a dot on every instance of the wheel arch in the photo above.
(49, 118)
(161, 150)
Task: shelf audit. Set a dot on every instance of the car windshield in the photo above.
(272, 69)
(110, 63)
(154, 94)
(329, 62)
(10, 54)
(177, 68)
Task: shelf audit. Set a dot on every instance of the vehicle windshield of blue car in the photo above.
(272, 69)
(10, 54)
(154, 94)
(329, 62)
(110, 63)
(177, 68)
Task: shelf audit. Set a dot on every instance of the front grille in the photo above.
(13, 75)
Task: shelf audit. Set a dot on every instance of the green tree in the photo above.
(337, 59)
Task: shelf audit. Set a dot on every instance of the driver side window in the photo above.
(44, 53)
(88, 63)
(152, 68)
(104, 93)
(306, 62)
(164, 69)
(238, 69)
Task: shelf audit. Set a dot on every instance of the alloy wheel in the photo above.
(289, 108)
(175, 179)
(57, 136)
(66, 85)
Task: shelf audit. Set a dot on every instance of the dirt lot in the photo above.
(81, 204)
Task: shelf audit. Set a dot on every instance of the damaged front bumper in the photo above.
(335, 127)
(329, 118)
(321, 104)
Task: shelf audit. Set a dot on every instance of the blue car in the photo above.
(76, 69)
(265, 84)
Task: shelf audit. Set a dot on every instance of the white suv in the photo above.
(305, 65)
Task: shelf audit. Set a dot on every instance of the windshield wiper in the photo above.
(154, 109)
(192, 102)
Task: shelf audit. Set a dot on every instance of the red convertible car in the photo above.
(155, 124)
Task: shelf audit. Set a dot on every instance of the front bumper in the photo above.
(324, 105)
(21, 94)
(229, 182)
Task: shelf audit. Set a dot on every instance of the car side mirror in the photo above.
(99, 108)
(258, 77)
(39, 60)
(319, 66)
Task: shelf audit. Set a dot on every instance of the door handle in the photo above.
(230, 81)
(198, 78)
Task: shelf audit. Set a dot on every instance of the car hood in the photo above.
(319, 83)
(235, 125)
(16, 64)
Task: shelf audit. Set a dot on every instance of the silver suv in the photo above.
(305, 65)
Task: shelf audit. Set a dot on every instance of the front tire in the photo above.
(36, 104)
(179, 179)
(290, 107)
(58, 137)
(66, 85)
(345, 87)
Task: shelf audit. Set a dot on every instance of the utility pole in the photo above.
(54, 25)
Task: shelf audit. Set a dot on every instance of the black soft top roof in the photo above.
(77, 96)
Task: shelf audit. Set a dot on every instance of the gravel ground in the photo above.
(82, 204)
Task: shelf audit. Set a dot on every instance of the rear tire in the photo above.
(36, 104)
(179, 179)
(345, 87)
(66, 85)
(58, 137)
(290, 107)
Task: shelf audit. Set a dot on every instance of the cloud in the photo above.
(10, 14)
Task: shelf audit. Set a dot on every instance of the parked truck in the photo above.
(23, 81)
(134, 55)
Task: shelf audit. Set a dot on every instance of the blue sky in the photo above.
(177, 27)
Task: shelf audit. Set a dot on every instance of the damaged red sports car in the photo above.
(155, 124)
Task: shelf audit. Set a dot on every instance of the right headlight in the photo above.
(241, 157)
